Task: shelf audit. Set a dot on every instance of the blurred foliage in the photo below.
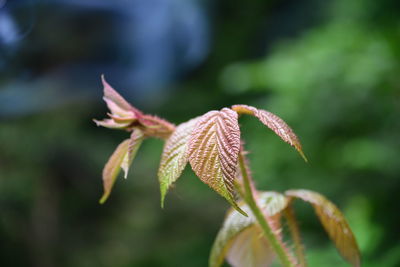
(328, 68)
(338, 87)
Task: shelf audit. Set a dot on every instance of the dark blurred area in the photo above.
(328, 68)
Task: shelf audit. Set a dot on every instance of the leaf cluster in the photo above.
(212, 146)
(240, 240)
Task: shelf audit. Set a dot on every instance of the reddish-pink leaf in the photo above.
(213, 151)
(334, 223)
(274, 123)
(155, 126)
(112, 124)
(125, 116)
(116, 103)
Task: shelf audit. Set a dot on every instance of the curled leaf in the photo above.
(213, 151)
(272, 203)
(240, 240)
(233, 225)
(273, 122)
(333, 222)
(250, 249)
(174, 156)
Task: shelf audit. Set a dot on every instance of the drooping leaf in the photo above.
(240, 239)
(271, 202)
(233, 225)
(273, 122)
(174, 156)
(334, 223)
(113, 167)
(213, 151)
(134, 143)
(121, 159)
(250, 249)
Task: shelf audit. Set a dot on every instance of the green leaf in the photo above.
(214, 149)
(334, 223)
(240, 239)
(273, 122)
(121, 158)
(134, 143)
(174, 156)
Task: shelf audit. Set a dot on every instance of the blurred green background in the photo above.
(331, 69)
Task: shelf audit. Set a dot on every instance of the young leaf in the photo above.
(121, 158)
(240, 239)
(155, 126)
(112, 168)
(213, 151)
(112, 124)
(134, 143)
(250, 249)
(174, 156)
(271, 203)
(233, 225)
(116, 103)
(125, 116)
(334, 223)
(273, 122)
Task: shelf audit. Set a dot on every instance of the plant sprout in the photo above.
(251, 234)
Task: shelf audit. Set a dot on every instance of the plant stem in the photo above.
(248, 197)
(295, 233)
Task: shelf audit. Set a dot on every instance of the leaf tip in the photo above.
(243, 213)
(103, 199)
(108, 90)
(303, 155)
(233, 203)
(125, 169)
(162, 200)
(103, 79)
